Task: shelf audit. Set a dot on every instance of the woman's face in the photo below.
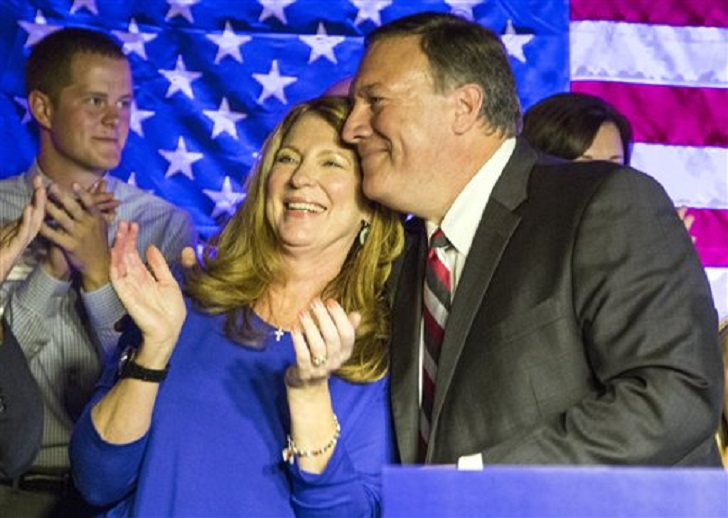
(314, 201)
(607, 145)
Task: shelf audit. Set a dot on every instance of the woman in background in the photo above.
(265, 393)
(578, 126)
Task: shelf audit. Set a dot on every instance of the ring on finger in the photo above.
(318, 361)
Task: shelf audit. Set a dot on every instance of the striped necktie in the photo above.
(436, 308)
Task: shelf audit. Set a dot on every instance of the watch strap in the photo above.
(128, 368)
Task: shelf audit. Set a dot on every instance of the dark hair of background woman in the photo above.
(565, 124)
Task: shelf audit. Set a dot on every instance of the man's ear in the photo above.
(469, 100)
(41, 107)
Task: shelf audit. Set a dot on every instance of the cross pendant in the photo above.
(279, 334)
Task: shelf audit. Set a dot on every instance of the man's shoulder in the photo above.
(15, 182)
(555, 171)
(599, 171)
(14, 195)
(139, 198)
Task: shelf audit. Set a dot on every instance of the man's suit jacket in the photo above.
(582, 330)
(21, 410)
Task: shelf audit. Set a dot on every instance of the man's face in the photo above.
(399, 124)
(89, 121)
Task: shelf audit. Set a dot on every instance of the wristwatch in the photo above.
(129, 369)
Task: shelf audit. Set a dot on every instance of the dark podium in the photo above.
(530, 492)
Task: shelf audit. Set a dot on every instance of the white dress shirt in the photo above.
(459, 225)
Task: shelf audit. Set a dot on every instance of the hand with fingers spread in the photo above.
(153, 298)
(16, 235)
(323, 342)
(104, 200)
(80, 230)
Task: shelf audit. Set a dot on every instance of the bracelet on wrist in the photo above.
(291, 451)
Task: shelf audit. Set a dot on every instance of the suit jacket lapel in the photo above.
(497, 224)
(404, 343)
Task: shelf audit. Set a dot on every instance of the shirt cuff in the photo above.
(104, 310)
(103, 306)
(471, 462)
(39, 290)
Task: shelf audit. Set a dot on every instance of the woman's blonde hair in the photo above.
(245, 258)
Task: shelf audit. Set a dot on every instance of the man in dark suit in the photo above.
(21, 411)
(575, 322)
(21, 406)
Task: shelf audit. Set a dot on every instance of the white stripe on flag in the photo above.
(692, 176)
(718, 278)
(649, 54)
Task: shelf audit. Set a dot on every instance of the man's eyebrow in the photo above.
(368, 88)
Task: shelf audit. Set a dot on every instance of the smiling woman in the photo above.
(276, 423)
(314, 193)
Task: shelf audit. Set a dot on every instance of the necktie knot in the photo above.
(439, 239)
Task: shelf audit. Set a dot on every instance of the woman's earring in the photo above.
(364, 232)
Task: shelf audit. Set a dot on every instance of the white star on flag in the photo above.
(274, 8)
(181, 8)
(133, 41)
(225, 200)
(88, 4)
(322, 45)
(137, 117)
(228, 43)
(514, 42)
(22, 101)
(180, 160)
(224, 120)
(37, 30)
(273, 83)
(180, 79)
(463, 7)
(369, 10)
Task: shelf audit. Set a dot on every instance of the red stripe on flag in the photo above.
(695, 13)
(709, 230)
(669, 115)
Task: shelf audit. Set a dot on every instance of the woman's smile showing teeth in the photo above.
(307, 207)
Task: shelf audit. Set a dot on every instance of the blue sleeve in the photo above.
(104, 473)
(351, 483)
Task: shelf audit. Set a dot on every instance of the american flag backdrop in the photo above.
(212, 77)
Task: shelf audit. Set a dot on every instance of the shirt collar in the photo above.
(35, 170)
(462, 219)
